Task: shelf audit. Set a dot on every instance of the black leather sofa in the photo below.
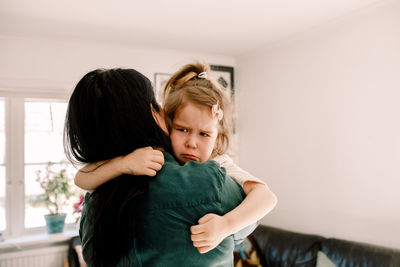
(278, 247)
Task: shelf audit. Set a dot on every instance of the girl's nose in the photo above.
(191, 142)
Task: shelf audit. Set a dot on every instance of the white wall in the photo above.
(319, 120)
(27, 62)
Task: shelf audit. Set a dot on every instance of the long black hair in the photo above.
(109, 114)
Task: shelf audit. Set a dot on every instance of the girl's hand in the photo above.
(142, 161)
(210, 231)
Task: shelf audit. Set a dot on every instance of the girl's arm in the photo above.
(212, 228)
(142, 161)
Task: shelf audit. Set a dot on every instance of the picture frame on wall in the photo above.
(224, 75)
(160, 79)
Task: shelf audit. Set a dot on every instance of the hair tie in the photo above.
(202, 75)
(217, 112)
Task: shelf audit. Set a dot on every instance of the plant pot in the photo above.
(55, 223)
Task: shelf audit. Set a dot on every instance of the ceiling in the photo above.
(229, 27)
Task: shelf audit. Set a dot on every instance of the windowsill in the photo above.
(36, 241)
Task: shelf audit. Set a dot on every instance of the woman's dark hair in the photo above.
(109, 114)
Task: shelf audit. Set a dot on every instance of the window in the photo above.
(44, 123)
(31, 135)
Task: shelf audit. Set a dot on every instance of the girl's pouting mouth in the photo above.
(190, 157)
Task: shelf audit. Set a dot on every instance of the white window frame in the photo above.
(14, 101)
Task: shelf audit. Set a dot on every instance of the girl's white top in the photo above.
(234, 171)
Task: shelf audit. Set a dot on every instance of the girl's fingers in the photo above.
(204, 249)
(199, 244)
(198, 237)
(157, 152)
(196, 229)
(150, 172)
(158, 157)
(155, 166)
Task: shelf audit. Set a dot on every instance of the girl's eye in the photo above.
(182, 130)
(204, 134)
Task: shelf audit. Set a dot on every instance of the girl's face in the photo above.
(194, 132)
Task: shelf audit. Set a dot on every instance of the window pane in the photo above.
(44, 123)
(34, 212)
(2, 168)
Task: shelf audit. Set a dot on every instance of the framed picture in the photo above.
(160, 79)
(224, 76)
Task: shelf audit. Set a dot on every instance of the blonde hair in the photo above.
(185, 86)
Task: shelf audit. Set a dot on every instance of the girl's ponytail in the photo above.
(186, 73)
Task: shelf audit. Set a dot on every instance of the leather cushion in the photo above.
(285, 248)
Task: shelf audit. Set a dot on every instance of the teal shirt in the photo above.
(177, 198)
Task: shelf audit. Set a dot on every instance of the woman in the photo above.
(139, 220)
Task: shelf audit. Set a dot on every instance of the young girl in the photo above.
(197, 116)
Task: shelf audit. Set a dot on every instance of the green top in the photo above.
(177, 198)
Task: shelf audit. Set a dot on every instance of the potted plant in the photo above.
(57, 192)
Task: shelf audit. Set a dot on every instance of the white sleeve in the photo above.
(234, 171)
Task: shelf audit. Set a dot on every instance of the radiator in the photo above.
(43, 257)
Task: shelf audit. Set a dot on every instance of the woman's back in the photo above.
(177, 197)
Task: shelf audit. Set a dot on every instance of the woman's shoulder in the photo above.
(176, 185)
(211, 168)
